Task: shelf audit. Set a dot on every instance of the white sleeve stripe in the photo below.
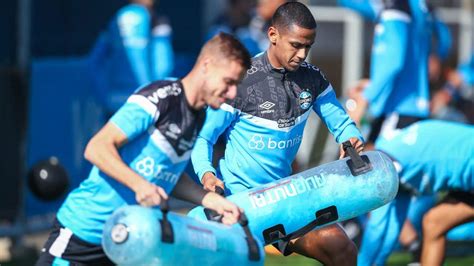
(144, 103)
(271, 124)
(60, 243)
(393, 14)
(227, 108)
(326, 91)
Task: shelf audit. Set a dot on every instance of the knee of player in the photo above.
(349, 248)
(339, 244)
(431, 225)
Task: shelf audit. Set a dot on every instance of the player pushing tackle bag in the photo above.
(330, 193)
(136, 235)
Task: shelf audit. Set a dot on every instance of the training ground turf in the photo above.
(397, 259)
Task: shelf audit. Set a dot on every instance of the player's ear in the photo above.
(272, 34)
(206, 62)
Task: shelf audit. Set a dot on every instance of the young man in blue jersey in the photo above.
(263, 126)
(430, 156)
(135, 49)
(140, 154)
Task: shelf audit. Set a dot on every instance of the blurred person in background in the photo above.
(454, 100)
(430, 156)
(397, 93)
(248, 21)
(135, 50)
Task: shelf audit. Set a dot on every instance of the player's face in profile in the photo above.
(292, 45)
(223, 78)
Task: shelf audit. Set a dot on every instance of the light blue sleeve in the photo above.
(467, 71)
(382, 230)
(216, 123)
(162, 52)
(367, 9)
(443, 38)
(134, 25)
(388, 57)
(335, 117)
(135, 116)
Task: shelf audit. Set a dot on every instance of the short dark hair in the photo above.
(293, 13)
(228, 47)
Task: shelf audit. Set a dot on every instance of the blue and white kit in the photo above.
(263, 126)
(161, 129)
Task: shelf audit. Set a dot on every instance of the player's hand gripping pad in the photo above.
(136, 235)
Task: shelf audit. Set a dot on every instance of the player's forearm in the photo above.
(106, 157)
(201, 157)
(336, 119)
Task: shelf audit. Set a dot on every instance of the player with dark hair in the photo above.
(263, 126)
(140, 154)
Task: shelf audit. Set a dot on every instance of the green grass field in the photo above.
(27, 257)
(397, 259)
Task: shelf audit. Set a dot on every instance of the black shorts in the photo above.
(461, 196)
(403, 121)
(62, 244)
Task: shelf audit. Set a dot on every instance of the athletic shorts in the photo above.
(462, 196)
(65, 248)
(391, 122)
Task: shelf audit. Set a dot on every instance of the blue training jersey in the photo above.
(434, 155)
(134, 51)
(443, 38)
(399, 61)
(253, 36)
(263, 126)
(369, 9)
(466, 70)
(161, 130)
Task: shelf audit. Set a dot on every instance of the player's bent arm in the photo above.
(201, 157)
(188, 190)
(335, 117)
(217, 121)
(102, 151)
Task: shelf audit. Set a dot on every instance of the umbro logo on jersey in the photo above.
(267, 106)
